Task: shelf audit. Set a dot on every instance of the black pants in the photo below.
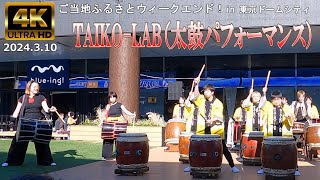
(226, 151)
(17, 153)
(107, 148)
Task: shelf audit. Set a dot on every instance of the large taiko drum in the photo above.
(205, 153)
(238, 129)
(173, 129)
(184, 143)
(313, 135)
(132, 150)
(111, 130)
(298, 128)
(279, 156)
(251, 146)
(34, 130)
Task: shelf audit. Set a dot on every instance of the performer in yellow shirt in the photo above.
(280, 120)
(180, 110)
(256, 106)
(211, 111)
(314, 109)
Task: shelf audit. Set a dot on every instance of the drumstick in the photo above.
(252, 81)
(267, 81)
(60, 117)
(204, 65)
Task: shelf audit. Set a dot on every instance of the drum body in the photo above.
(279, 156)
(111, 130)
(238, 129)
(313, 135)
(297, 127)
(173, 129)
(132, 150)
(251, 146)
(315, 120)
(34, 130)
(184, 143)
(205, 152)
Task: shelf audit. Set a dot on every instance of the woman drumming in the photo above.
(33, 104)
(114, 111)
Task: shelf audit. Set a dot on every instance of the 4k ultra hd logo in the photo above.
(29, 21)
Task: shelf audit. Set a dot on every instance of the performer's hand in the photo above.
(196, 81)
(264, 90)
(251, 90)
(287, 115)
(53, 109)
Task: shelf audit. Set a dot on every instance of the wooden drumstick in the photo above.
(252, 81)
(60, 117)
(267, 81)
(204, 65)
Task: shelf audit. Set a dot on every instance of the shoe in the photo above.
(5, 164)
(53, 164)
(260, 171)
(187, 169)
(297, 173)
(240, 159)
(235, 169)
(103, 159)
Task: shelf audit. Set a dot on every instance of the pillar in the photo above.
(124, 74)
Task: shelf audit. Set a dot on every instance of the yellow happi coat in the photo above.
(286, 122)
(177, 114)
(262, 118)
(216, 112)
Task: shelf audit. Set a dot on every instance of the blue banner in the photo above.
(50, 74)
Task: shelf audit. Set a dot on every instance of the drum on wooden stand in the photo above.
(313, 139)
(34, 130)
(184, 143)
(205, 155)
(251, 147)
(132, 153)
(173, 129)
(279, 156)
(298, 128)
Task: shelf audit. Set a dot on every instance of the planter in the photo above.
(93, 133)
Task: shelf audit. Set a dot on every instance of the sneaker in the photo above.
(260, 171)
(5, 164)
(240, 159)
(297, 173)
(53, 164)
(187, 169)
(235, 169)
(103, 159)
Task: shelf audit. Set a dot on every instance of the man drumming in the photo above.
(280, 120)
(212, 108)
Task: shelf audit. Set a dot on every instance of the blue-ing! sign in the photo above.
(49, 74)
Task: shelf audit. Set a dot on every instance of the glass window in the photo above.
(77, 68)
(185, 67)
(282, 65)
(97, 66)
(227, 66)
(6, 69)
(151, 67)
(22, 68)
(308, 64)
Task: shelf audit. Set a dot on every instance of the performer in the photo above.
(114, 111)
(180, 110)
(300, 108)
(211, 108)
(280, 120)
(255, 106)
(314, 110)
(30, 106)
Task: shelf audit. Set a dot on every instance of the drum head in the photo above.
(279, 139)
(204, 137)
(186, 134)
(132, 135)
(254, 134)
(176, 120)
(314, 124)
